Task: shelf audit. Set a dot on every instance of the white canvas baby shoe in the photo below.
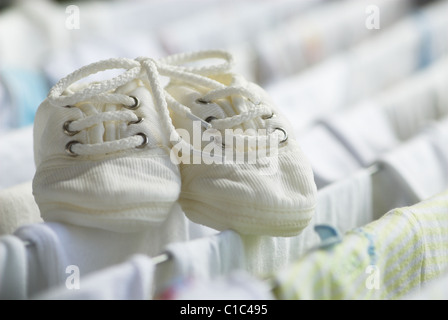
(241, 167)
(102, 151)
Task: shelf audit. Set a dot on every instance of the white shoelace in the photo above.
(149, 70)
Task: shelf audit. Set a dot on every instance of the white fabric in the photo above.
(203, 258)
(46, 260)
(322, 31)
(59, 48)
(432, 177)
(442, 92)
(13, 269)
(17, 208)
(436, 289)
(126, 190)
(310, 94)
(55, 246)
(414, 171)
(235, 22)
(130, 280)
(238, 285)
(413, 104)
(245, 60)
(438, 133)
(116, 155)
(410, 44)
(330, 159)
(345, 204)
(15, 48)
(6, 112)
(378, 125)
(16, 151)
(365, 131)
(365, 69)
(138, 188)
(64, 60)
(406, 175)
(265, 194)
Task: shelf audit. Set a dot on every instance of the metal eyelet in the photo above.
(139, 119)
(145, 140)
(202, 101)
(66, 130)
(68, 148)
(210, 119)
(268, 116)
(223, 145)
(136, 104)
(284, 133)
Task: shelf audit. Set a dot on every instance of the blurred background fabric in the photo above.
(364, 84)
(317, 58)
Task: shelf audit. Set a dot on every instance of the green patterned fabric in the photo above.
(385, 259)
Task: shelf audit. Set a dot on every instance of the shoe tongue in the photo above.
(107, 131)
(188, 95)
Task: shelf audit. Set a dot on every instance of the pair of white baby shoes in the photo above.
(117, 154)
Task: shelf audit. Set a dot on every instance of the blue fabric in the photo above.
(371, 249)
(426, 55)
(328, 235)
(26, 90)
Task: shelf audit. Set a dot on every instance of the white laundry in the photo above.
(330, 159)
(16, 151)
(413, 172)
(63, 61)
(355, 97)
(373, 127)
(441, 98)
(310, 94)
(56, 246)
(17, 208)
(345, 204)
(319, 33)
(202, 258)
(438, 135)
(364, 69)
(262, 187)
(6, 112)
(413, 104)
(100, 162)
(409, 45)
(437, 289)
(235, 22)
(365, 131)
(15, 46)
(46, 261)
(13, 269)
(238, 285)
(130, 280)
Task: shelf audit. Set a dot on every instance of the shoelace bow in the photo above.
(149, 70)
